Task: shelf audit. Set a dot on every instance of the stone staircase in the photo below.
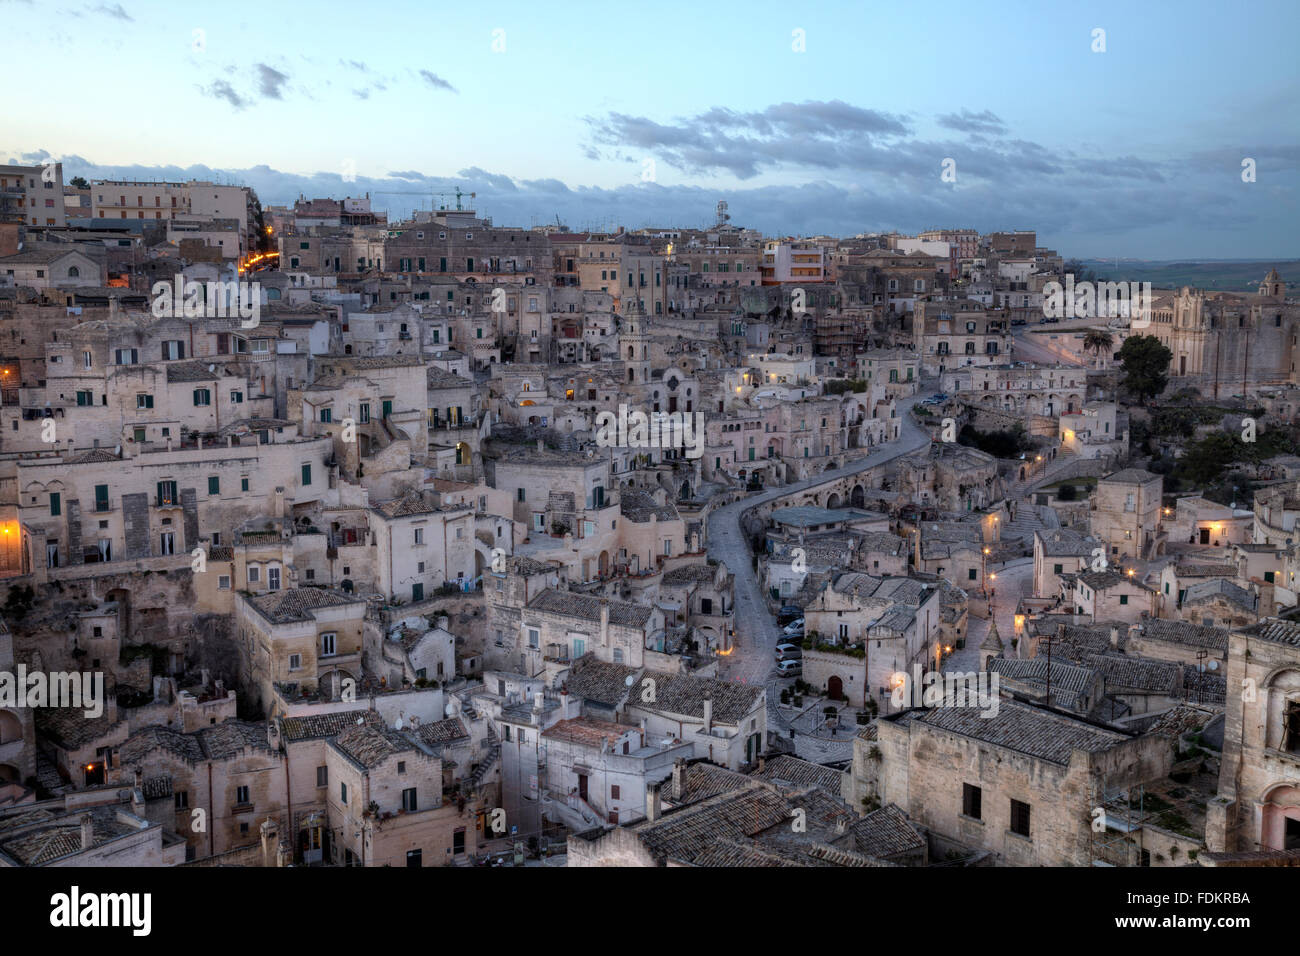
(1027, 521)
(487, 763)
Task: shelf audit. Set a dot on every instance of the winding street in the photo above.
(756, 632)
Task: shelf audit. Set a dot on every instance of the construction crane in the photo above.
(442, 196)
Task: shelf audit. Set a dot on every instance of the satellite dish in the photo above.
(360, 721)
(212, 368)
(398, 725)
(629, 680)
(1214, 665)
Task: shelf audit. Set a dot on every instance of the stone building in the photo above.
(1258, 804)
(1126, 514)
(1227, 343)
(1020, 785)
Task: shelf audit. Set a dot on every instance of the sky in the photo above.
(808, 118)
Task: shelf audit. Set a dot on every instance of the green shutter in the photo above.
(214, 485)
(306, 474)
(56, 504)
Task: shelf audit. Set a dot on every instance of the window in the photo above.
(254, 574)
(458, 841)
(126, 356)
(1123, 599)
(415, 858)
(167, 493)
(365, 412)
(202, 396)
(182, 799)
(101, 497)
(520, 495)
(322, 776)
(534, 637)
(971, 574)
(243, 483)
(327, 645)
(236, 398)
(614, 792)
(241, 795)
(1058, 568)
(214, 485)
(223, 582)
(1291, 727)
(273, 578)
(417, 536)
(971, 798)
(56, 504)
(85, 398)
(167, 543)
(409, 803)
(343, 792)
(173, 350)
(143, 401)
(306, 474)
(1020, 818)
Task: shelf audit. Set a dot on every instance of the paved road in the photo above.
(755, 628)
(1028, 349)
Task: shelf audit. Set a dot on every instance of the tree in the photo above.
(1097, 341)
(78, 182)
(1146, 366)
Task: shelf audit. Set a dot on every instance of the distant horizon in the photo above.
(1097, 130)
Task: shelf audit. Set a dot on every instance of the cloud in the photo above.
(271, 81)
(437, 82)
(222, 90)
(968, 122)
(115, 11)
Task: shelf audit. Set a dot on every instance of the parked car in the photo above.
(791, 612)
(789, 652)
(794, 628)
(790, 668)
(1018, 322)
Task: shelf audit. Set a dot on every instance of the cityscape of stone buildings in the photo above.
(368, 586)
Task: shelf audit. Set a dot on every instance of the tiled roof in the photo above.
(95, 456)
(295, 604)
(1065, 676)
(216, 742)
(1136, 673)
(587, 608)
(1033, 731)
(586, 731)
(1184, 632)
(1064, 543)
(1212, 589)
(788, 769)
(639, 506)
(1275, 630)
(443, 731)
(1131, 476)
(368, 746)
(316, 726)
(685, 695)
(69, 726)
(196, 371)
(412, 504)
(600, 681)
(886, 832)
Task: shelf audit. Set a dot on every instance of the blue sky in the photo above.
(647, 115)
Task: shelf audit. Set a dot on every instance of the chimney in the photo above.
(137, 802)
(708, 715)
(679, 779)
(652, 806)
(270, 842)
(87, 831)
(1114, 637)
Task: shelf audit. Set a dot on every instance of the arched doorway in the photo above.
(835, 687)
(1279, 825)
(858, 497)
(833, 501)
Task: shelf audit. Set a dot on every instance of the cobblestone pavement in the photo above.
(755, 628)
(1015, 579)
